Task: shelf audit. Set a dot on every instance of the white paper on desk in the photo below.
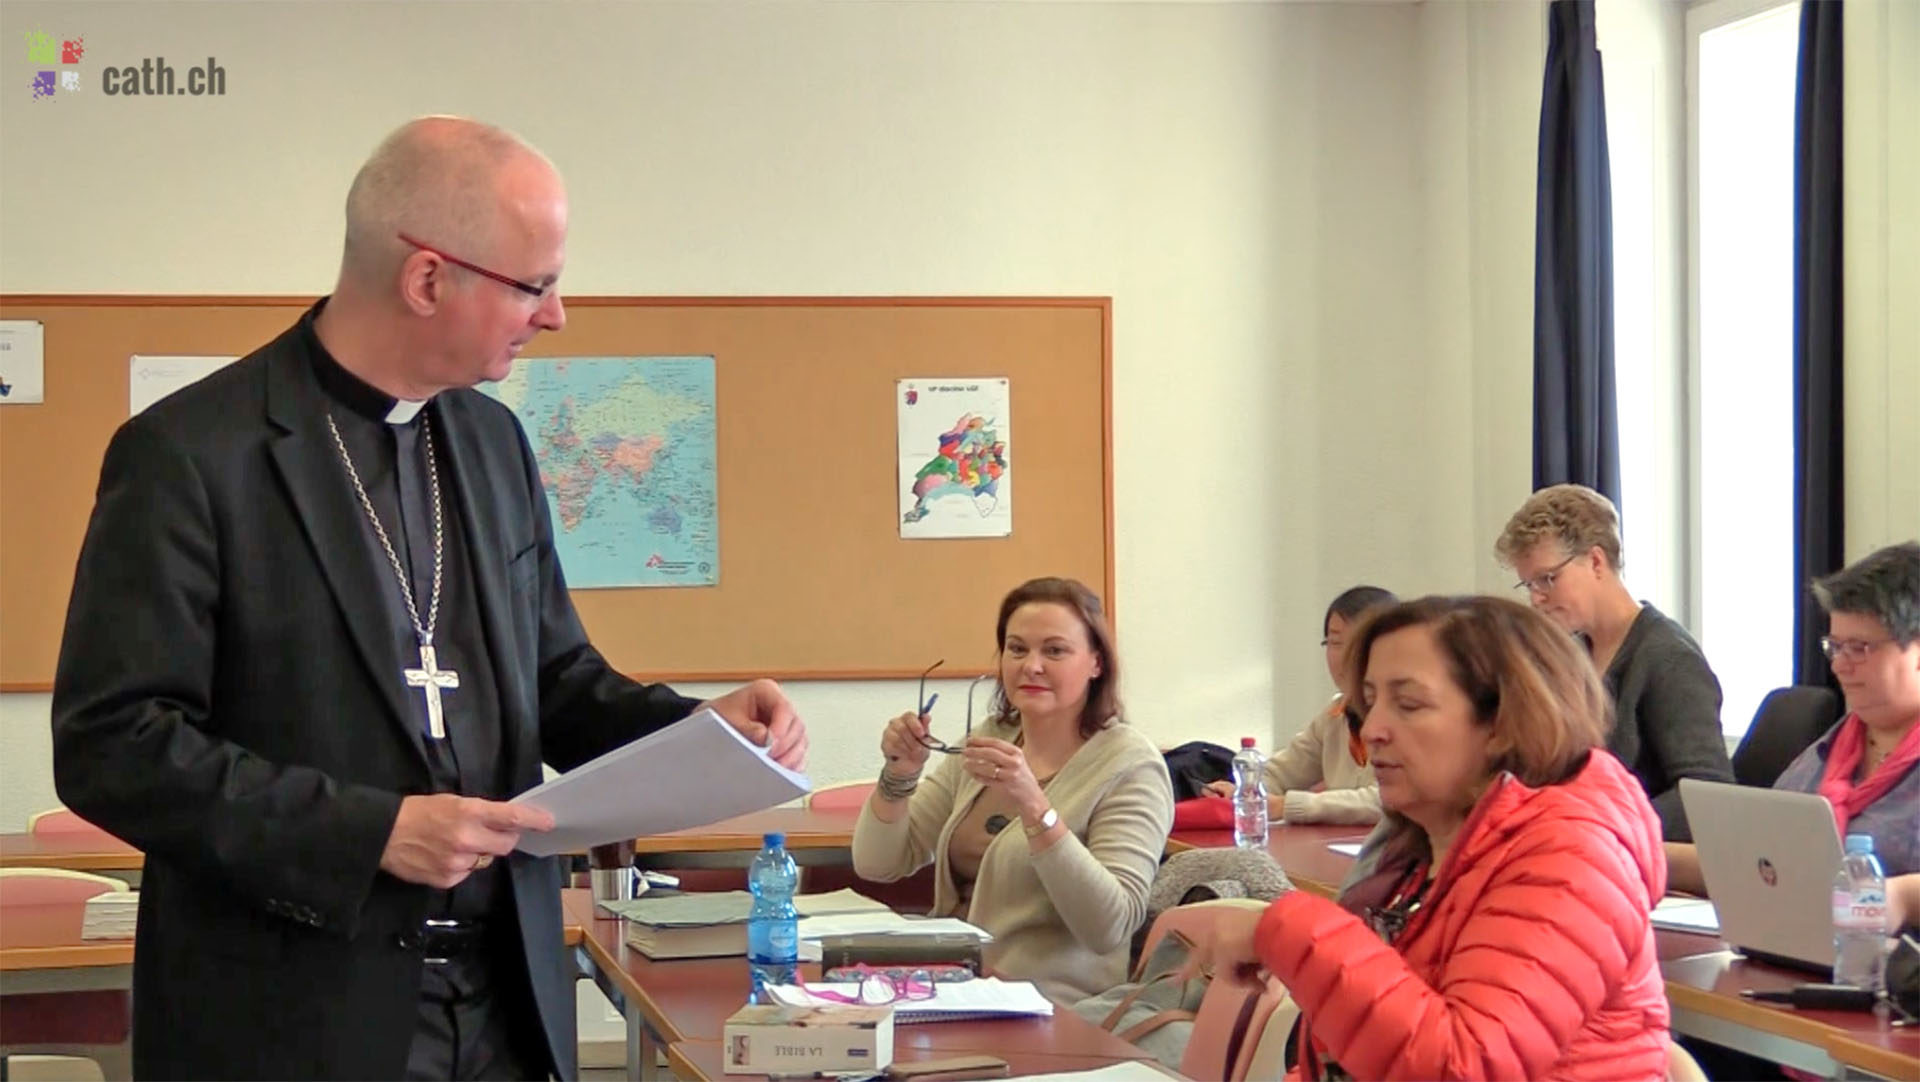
(885, 922)
(689, 774)
(983, 995)
(1129, 1070)
(1677, 914)
(1346, 849)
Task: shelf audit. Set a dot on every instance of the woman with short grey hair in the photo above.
(1564, 543)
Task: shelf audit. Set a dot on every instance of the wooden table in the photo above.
(702, 1061)
(1704, 982)
(1300, 850)
(75, 852)
(813, 838)
(690, 999)
(41, 949)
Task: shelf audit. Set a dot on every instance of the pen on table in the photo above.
(1825, 997)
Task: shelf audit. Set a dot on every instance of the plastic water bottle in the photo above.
(1860, 917)
(1249, 796)
(773, 927)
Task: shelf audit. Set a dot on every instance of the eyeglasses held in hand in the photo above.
(925, 703)
(877, 989)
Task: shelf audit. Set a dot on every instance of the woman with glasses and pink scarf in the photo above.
(1868, 764)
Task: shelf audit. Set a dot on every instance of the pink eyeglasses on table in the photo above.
(879, 988)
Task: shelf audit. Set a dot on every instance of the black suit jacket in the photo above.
(223, 701)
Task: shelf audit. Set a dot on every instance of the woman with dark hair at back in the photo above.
(1328, 753)
(1046, 826)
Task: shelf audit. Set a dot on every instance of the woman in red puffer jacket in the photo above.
(1496, 925)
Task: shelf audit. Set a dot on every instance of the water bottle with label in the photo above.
(773, 926)
(1860, 917)
(1249, 796)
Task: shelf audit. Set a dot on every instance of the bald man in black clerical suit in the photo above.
(318, 637)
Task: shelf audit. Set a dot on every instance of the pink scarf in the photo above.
(1849, 747)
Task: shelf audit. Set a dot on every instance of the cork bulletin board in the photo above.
(815, 581)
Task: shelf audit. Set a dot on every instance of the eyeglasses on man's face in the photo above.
(1853, 650)
(534, 293)
(1542, 583)
(924, 705)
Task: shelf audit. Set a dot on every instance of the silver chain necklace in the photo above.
(429, 677)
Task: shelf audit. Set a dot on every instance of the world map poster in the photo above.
(956, 457)
(627, 454)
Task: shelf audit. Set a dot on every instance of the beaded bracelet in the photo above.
(893, 788)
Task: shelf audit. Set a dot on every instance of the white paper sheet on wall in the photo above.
(152, 377)
(22, 362)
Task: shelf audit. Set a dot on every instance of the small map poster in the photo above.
(956, 457)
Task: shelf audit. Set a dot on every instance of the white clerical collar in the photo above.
(403, 411)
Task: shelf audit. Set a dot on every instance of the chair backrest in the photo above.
(1193, 921)
(52, 886)
(851, 796)
(1788, 721)
(61, 821)
(1232, 1019)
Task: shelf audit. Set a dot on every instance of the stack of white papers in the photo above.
(984, 997)
(111, 915)
(882, 922)
(689, 774)
(1677, 914)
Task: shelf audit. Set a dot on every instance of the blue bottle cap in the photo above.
(1859, 843)
(776, 839)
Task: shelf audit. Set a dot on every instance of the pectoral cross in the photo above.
(430, 678)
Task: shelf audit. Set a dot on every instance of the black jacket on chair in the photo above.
(223, 701)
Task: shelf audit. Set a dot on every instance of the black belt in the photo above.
(443, 939)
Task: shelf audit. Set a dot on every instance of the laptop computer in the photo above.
(1769, 858)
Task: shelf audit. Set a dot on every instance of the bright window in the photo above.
(1741, 568)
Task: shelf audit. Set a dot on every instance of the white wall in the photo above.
(1318, 353)
(1881, 133)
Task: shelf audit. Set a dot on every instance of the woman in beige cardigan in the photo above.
(1328, 752)
(1047, 826)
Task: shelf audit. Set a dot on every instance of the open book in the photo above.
(953, 1001)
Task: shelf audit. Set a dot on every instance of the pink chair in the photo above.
(849, 797)
(91, 1025)
(61, 822)
(1231, 1029)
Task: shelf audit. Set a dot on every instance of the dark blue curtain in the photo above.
(1576, 436)
(1818, 487)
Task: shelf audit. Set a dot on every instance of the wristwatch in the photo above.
(1046, 823)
